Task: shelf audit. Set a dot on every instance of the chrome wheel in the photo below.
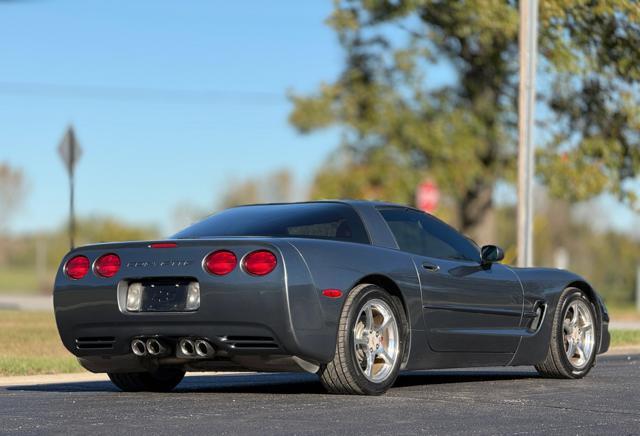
(375, 342)
(578, 334)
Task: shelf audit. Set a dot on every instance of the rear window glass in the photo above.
(303, 220)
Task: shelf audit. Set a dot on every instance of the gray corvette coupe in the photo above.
(353, 291)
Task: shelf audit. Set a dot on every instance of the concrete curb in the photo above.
(26, 302)
(617, 351)
(82, 377)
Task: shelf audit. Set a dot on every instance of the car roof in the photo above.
(354, 202)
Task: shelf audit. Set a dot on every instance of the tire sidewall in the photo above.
(364, 295)
(572, 295)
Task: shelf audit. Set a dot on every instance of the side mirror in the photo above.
(491, 254)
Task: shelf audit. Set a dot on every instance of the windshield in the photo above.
(335, 221)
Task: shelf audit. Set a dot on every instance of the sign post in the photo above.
(70, 152)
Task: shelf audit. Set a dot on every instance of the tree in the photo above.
(273, 188)
(12, 192)
(461, 130)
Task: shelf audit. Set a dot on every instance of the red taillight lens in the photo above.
(107, 265)
(220, 262)
(260, 263)
(77, 267)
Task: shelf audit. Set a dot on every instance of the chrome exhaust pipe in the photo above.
(138, 347)
(187, 347)
(156, 348)
(204, 348)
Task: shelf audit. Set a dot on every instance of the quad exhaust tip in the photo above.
(195, 348)
(156, 348)
(139, 347)
(204, 348)
(187, 347)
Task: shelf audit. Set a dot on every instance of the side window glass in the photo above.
(458, 246)
(422, 234)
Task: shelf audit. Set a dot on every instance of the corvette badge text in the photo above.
(162, 263)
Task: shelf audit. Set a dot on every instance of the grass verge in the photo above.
(23, 281)
(625, 338)
(30, 345)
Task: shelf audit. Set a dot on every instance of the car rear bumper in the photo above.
(249, 327)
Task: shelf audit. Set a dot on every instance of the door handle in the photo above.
(430, 266)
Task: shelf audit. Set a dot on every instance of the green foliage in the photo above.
(607, 259)
(463, 133)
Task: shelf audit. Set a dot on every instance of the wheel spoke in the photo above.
(587, 327)
(580, 351)
(384, 325)
(370, 358)
(369, 314)
(571, 350)
(385, 356)
(574, 315)
(361, 342)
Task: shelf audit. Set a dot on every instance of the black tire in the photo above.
(343, 375)
(163, 380)
(556, 363)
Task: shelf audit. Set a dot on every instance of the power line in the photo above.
(137, 94)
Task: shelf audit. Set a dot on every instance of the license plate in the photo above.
(166, 296)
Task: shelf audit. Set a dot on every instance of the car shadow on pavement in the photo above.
(285, 383)
(441, 377)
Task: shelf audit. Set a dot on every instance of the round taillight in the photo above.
(107, 265)
(220, 262)
(77, 267)
(260, 263)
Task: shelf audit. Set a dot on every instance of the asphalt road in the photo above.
(488, 401)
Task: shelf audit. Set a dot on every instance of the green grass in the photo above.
(21, 281)
(623, 312)
(625, 338)
(29, 344)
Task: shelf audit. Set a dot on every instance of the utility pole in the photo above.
(70, 152)
(526, 109)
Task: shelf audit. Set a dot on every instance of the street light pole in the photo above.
(526, 109)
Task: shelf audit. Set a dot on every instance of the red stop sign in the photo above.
(427, 196)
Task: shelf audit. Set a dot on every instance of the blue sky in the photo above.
(145, 157)
(142, 158)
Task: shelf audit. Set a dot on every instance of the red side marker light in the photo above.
(220, 262)
(77, 267)
(107, 265)
(163, 245)
(332, 293)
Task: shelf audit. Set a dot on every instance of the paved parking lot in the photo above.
(488, 401)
